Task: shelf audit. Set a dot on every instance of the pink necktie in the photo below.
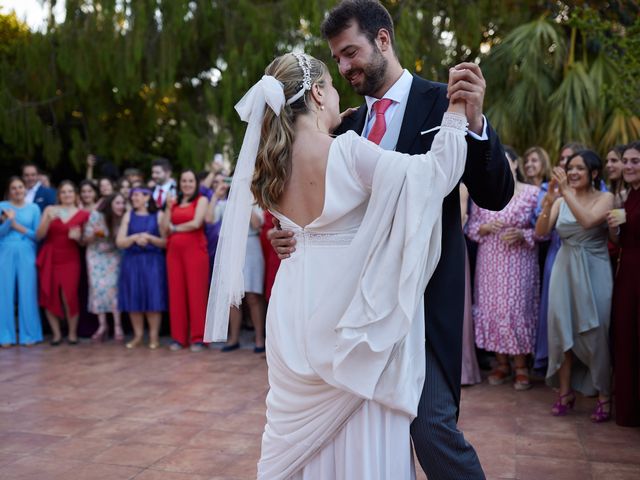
(379, 125)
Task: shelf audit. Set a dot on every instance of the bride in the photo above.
(345, 326)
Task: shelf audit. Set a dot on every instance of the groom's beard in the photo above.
(373, 73)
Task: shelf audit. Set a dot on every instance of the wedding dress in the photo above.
(345, 324)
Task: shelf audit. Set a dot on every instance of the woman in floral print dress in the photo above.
(103, 264)
(507, 293)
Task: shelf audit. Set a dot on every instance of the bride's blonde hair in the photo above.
(273, 163)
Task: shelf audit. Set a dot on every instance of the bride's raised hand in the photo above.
(458, 105)
(467, 83)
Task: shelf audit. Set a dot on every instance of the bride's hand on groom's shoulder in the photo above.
(467, 84)
(282, 241)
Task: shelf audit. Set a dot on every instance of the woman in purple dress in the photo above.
(142, 287)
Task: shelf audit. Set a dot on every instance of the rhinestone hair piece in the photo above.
(305, 65)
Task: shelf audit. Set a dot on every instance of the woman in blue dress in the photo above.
(18, 259)
(142, 286)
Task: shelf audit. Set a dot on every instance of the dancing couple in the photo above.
(364, 326)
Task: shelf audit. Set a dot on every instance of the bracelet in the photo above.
(173, 228)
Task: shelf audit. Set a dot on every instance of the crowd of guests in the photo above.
(556, 288)
(144, 249)
(552, 284)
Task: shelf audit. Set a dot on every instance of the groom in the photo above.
(399, 112)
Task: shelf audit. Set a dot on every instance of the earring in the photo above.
(321, 107)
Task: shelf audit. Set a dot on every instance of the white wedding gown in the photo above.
(346, 365)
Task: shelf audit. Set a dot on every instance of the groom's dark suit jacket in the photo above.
(487, 176)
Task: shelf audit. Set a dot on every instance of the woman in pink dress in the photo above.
(507, 293)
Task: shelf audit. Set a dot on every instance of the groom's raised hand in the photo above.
(467, 83)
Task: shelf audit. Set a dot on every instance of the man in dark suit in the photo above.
(36, 192)
(360, 35)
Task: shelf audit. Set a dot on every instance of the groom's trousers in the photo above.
(441, 448)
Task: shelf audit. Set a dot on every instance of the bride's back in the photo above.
(303, 197)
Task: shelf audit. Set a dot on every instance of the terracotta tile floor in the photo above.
(102, 412)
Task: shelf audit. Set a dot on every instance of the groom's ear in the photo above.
(383, 40)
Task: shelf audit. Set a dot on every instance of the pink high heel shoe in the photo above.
(100, 335)
(600, 415)
(559, 408)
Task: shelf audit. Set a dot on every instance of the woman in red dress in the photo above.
(59, 261)
(624, 229)
(187, 263)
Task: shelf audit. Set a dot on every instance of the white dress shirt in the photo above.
(166, 190)
(399, 94)
(31, 193)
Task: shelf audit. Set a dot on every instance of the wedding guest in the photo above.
(163, 185)
(547, 255)
(536, 166)
(124, 188)
(507, 280)
(568, 150)
(581, 285)
(134, 176)
(103, 264)
(187, 263)
(87, 322)
(253, 274)
(624, 229)
(142, 284)
(88, 195)
(618, 187)
(18, 225)
(470, 368)
(36, 192)
(59, 261)
(213, 217)
(105, 187)
(44, 179)
(613, 166)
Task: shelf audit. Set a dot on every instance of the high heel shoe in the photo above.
(100, 335)
(118, 335)
(600, 415)
(560, 408)
(136, 342)
(154, 345)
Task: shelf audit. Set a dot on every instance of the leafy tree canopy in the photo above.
(133, 79)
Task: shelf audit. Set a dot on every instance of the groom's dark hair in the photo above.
(370, 15)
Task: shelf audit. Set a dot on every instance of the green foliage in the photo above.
(570, 75)
(133, 79)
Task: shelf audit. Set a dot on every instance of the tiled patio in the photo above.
(102, 412)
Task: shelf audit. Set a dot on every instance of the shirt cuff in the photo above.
(484, 135)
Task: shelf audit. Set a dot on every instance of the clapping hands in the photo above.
(559, 180)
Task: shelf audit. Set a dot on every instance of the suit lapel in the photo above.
(354, 122)
(422, 98)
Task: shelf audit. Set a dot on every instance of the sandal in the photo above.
(522, 381)
(100, 335)
(600, 415)
(500, 374)
(561, 408)
(118, 335)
